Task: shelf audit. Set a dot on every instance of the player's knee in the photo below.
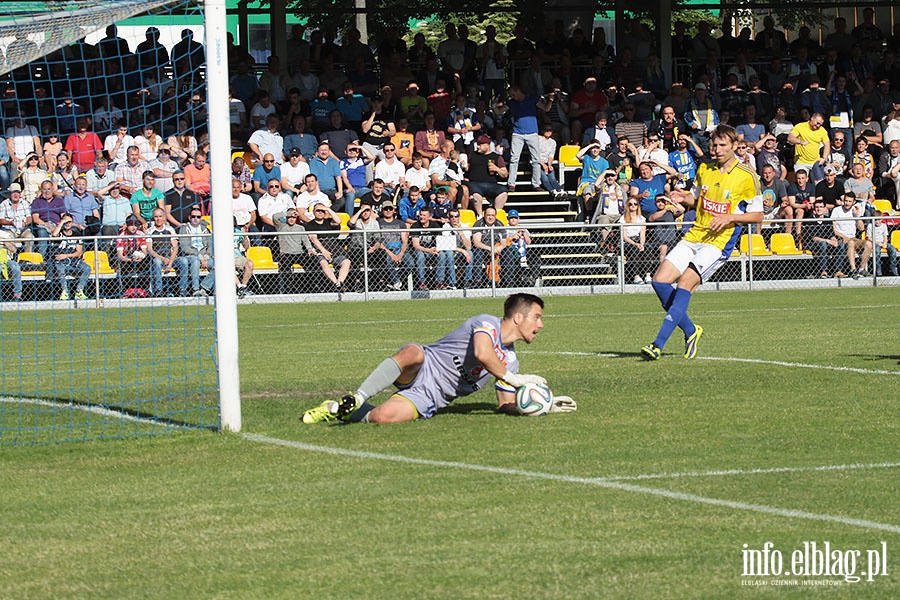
(410, 355)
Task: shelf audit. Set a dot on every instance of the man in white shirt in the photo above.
(163, 167)
(267, 140)
(116, 145)
(242, 205)
(390, 170)
(846, 224)
(272, 202)
(294, 172)
(309, 198)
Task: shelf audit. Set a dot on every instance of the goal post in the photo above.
(93, 347)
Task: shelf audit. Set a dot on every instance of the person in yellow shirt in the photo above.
(808, 140)
(727, 195)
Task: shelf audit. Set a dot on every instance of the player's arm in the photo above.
(484, 352)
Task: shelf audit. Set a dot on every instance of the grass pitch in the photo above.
(784, 430)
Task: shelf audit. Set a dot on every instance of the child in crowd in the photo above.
(52, 148)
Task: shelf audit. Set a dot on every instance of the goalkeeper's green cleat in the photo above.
(651, 352)
(324, 413)
(690, 342)
(346, 407)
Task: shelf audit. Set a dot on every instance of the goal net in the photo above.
(107, 314)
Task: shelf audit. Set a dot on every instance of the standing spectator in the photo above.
(83, 146)
(584, 106)
(491, 58)
(808, 140)
(525, 133)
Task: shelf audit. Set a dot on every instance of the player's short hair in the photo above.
(724, 131)
(520, 303)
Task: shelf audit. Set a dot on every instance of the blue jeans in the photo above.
(15, 275)
(72, 266)
(398, 270)
(446, 267)
(421, 258)
(467, 275)
(826, 254)
(193, 268)
(350, 199)
(44, 244)
(891, 252)
(181, 264)
(549, 182)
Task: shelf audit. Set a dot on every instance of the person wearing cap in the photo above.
(485, 169)
(327, 170)
(395, 243)
(700, 116)
(294, 172)
(829, 190)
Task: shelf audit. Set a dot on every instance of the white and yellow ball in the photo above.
(534, 400)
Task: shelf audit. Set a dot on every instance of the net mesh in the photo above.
(93, 343)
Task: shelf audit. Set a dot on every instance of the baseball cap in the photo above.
(132, 219)
(829, 170)
(700, 86)
(483, 139)
(442, 188)
(295, 152)
(387, 204)
(15, 187)
(512, 213)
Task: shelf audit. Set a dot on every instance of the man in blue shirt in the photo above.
(327, 170)
(525, 132)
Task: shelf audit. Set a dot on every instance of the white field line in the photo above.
(97, 410)
(614, 483)
(760, 471)
(759, 361)
(598, 482)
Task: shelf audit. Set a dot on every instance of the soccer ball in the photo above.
(534, 400)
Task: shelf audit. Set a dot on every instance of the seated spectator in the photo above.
(65, 259)
(592, 167)
(889, 172)
(701, 116)
(325, 230)
(338, 135)
(179, 201)
(648, 186)
(267, 140)
(877, 231)
(130, 173)
(800, 195)
(391, 170)
(768, 154)
(829, 190)
(664, 236)
(243, 208)
(131, 250)
(666, 129)
(196, 247)
(294, 246)
(263, 174)
(15, 221)
(353, 173)
(148, 142)
(46, 213)
(520, 242)
(547, 158)
(321, 109)
(418, 175)
(116, 209)
(351, 106)
(394, 246)
(197, 176)
(183, 145)
(584, 105)
(83, 146)
(262, 110)
(423, 237)
(403, 141)
(376, 196)
(440, 206)
(147, 199)
(860, 185)
(410, 205)
(487, 170)
(610, 206)
(774, 195)
(243, 266)
(163, 168)
(164, 256)
(863, 157)
(52, 148)
(491, 242)
(63, 177)
(327, 170)
(302, 140)
(275, 201)
(820, 238)
(847, 226)
(294, 172)
(83, 207)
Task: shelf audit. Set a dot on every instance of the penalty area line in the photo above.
(597, 482)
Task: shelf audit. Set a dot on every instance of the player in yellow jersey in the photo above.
(727, 195)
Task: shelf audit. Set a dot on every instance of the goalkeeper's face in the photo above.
(530, 323)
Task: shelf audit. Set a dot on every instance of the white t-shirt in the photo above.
(306, 201)
(847, 228)
(23, 139)
(268, 205)
(633, 229)
(294, 175)
(418, 178)
(391, 174)
(122, 155)
(242, 206)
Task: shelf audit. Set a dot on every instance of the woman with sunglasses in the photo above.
(635, 238)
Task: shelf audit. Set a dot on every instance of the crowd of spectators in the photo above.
(118, 135)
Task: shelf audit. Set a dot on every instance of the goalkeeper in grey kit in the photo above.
(430, 377)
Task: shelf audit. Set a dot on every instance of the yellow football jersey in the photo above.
(735, 191)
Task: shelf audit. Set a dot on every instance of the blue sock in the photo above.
(664, 291)
(675, 317)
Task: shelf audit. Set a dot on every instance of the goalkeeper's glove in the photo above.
(563, 404)
(517, 380)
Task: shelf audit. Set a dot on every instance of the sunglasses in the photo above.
(387, 208)
(196, 216)
(274, 187)
(268, 162)
(633, 204)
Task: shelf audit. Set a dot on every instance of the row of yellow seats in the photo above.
(98, 261)
(783, 244)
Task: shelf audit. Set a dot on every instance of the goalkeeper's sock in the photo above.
(383, 376)
(665, 292)
(675, 317)
(361, 414)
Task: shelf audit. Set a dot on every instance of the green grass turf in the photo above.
(202, 515)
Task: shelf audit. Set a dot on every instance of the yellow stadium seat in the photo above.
(501, 216)
(895, 239)
(261, 257)
(467, 217)
(30, 258)
(884, 206)
(758, 245)
(783, 244)
(208, 220)
(567, 155)
(345, 218)
(100, 260)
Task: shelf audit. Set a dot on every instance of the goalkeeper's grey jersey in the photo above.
(451, 362)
